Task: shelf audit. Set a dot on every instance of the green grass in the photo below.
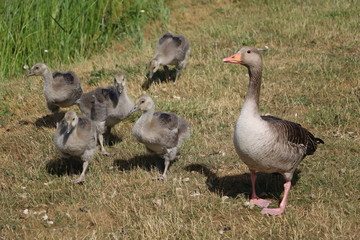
(311, 76)
(63, 31)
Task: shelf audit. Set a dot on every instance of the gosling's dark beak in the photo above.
(134, 109)
(30, 74)
(68, 129)
(149, 75)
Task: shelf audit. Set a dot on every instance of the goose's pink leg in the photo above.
(254, 198)
(281, 208)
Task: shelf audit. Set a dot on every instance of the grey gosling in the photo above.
(76, 136)
(171, 50)
(61, 89)
(265, 143)
(107, 104)
(162, 133)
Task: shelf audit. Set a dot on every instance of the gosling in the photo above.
(76, 136)
(61, 89)
(171, 50)
(162, 133)
(112, 105)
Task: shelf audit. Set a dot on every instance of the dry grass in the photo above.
(311, 76)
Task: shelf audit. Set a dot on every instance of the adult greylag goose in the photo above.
(61, 89)
(265, 143)
(162, 133)
(112, 106)
(76, 136)
(171, 50)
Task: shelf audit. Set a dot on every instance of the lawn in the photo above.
(311, 76)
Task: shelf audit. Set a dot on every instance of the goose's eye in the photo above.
(142, 101)
(248, 51)
(73, 119)
(36, 68)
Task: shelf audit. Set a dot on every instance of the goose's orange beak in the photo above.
(236, 58)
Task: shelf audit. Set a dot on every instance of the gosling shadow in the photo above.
(49, 121)
(159, 77)
(113, 139)
(145, 162)
(64, 166)
(267, 185)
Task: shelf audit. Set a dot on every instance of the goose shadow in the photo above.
(145, 162)
(267, 185)
(159, 77)
(49, 120)
(64, 166)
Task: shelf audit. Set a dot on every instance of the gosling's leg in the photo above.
(81, 178)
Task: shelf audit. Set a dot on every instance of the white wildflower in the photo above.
(185, 179)
(26, 211)
(249, 204)
(158, 202)
(224, 198)
(25, 67)
(195, 194)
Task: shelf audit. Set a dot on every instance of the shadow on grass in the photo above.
(113, 139)
(267, 185)
(64, 166)
(50, 120)
(145, 162)
(159, 77)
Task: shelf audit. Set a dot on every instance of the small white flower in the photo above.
(249, 204)
(185, 179)
(45, 217)
(25, 67)
(224, 198)
(26, 211)
(195, 194)
(142, 11)
(50, 222)
(23, 195)
(46, 51)
(158, 202)
(48, 183)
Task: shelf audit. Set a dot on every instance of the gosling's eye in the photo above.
(36, 68)
(248, 51)
(142, 101)
(73, 119)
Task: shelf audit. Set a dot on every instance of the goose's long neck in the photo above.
(251, 104)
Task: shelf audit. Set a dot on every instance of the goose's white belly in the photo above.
(253, 141)
(261, 149)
